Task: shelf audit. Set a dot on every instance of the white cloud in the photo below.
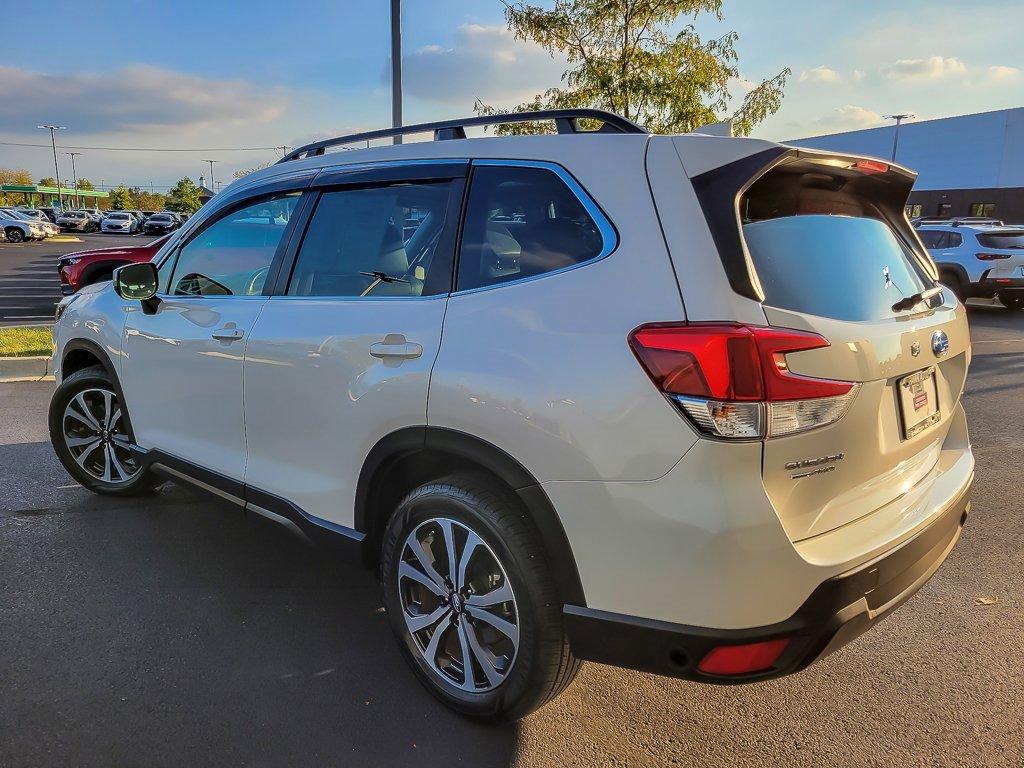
(1002, 74)
(850, 117)
(858, 75)
(921, 70)
(485, 62)
(137, 98)
(820, 75)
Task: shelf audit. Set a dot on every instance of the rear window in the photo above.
(843, 267)
(1002, 240)
(523, 222)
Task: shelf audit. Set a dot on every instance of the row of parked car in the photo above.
(18, 225)
(124, 222)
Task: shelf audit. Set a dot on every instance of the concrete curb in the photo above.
(26, 369)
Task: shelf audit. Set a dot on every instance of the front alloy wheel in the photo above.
(91, 433)
(458, 605)
(93, 428)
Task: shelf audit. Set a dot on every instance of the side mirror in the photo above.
(138, 282)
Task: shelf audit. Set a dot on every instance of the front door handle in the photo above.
(395, 347)
(228, 334)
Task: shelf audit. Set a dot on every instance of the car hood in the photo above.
(129, 251)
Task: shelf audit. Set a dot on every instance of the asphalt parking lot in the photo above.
(173, 631)
(29, 285)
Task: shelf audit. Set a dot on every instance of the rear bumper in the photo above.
(991, 284)
(839, 610)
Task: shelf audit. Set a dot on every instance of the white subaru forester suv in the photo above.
(684, 404)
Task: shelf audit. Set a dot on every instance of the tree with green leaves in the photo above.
(184, 197)
(121, 198)
(18, 176)
(86, 184)
(47, 181)
(622, 57)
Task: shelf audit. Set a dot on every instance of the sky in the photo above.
(219, 76)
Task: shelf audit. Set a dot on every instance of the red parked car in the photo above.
(86, 267)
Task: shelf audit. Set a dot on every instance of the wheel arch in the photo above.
(79, 354)
(88, 274)
(955, 269)
(408, 457)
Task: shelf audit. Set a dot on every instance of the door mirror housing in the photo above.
(138, 282)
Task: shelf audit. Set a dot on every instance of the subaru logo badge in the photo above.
(940, 343)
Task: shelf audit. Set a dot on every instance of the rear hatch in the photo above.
(829, 251)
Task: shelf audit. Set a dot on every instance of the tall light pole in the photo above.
(74, 175)
(56, 170)
(211, 162)
(896, 133)
(396, 67)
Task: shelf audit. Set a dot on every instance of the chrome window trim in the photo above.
(609, 235)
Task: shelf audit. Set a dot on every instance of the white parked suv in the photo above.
(979, 259)
(685, 404)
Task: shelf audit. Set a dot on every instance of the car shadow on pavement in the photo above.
(173, 630)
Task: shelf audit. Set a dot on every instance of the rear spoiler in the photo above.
(720, 191)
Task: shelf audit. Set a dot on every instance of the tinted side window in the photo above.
(522, 222)
(932, 239)
(377, 241)
(953, 240)
(232, 256)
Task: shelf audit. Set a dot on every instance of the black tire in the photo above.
(126, 478)
(542, 666)
(14, 235)
(952, 281)
(1013, 302)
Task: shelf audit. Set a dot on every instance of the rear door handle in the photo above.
(228, 334)
(395, 347)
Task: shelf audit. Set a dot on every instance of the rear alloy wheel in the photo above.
(1014, 302)
(91, 434)
(472, 600)
(464, 624)
(15, 235)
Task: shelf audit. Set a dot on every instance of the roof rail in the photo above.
(565, 122)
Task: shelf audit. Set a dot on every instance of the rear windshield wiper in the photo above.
(910, 302)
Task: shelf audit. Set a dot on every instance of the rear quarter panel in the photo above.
(542, 368)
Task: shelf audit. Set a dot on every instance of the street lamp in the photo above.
(74, 175)
(211, 162)
(56, 170)
(896, 134)
(396, 68)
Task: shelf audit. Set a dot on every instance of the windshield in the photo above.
(843, 267)
(1002, 240)
(159, 217)
(118, 216)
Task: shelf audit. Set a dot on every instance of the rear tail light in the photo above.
(732, 380)
(992, 256)
(743, 659)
